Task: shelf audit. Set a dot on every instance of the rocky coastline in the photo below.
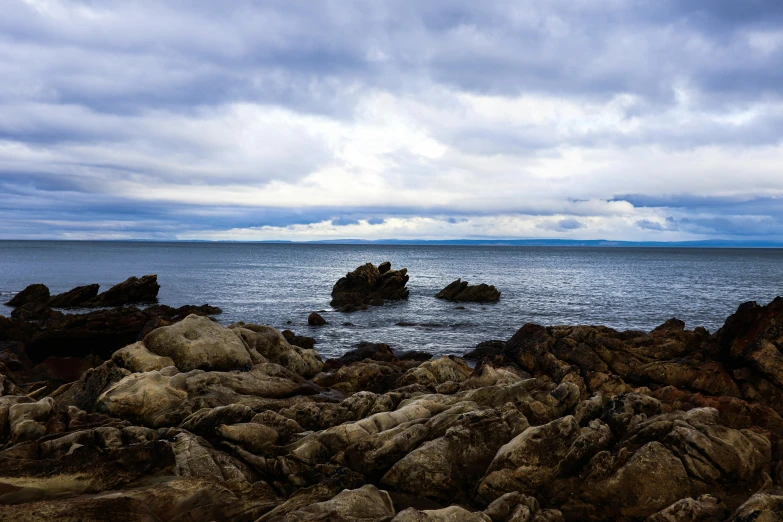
(162, 414)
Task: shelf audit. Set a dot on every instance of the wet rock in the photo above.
(315, 319)
(368, 286)
(491, 350)
(302, 341)
(36, 293)
(131, 291)
(77, 297)
(364, 350)
(462, 291)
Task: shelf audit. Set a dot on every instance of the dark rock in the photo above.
(315, 319)
(368, 286)
(488, 349)
(75, 298)
(36, 293)
(559, 423)
(414, 355)
(350, 308)
(302, 341)
(364, 350)
(384, 267)
(131, 291)
(462, 291)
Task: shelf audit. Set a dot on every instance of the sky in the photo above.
(290, 120)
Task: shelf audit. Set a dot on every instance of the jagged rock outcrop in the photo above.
(196, 421)
(80, 296)
(368, 285)
(131, 291)
(462, 291)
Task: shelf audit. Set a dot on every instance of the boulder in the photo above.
(36, 293)
(138, 359)
(199, 343)
(264, 342)
(368, 286)
(462, 291)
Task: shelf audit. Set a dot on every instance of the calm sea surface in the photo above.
(625, 288)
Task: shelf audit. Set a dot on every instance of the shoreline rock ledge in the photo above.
(369, 285)
(462, 291)
(194, 421)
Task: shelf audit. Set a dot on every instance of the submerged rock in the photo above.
(460, 290)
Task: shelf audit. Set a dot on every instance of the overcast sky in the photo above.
(585, 119)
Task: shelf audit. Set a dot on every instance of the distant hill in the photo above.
(710, 243)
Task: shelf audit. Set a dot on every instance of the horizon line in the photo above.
(546, 242)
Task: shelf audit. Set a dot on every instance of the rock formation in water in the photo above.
(315, 319)
(460, 290)
(35, 293)
(369, 285)
(134, 290)
(79, 297)
(196, 421)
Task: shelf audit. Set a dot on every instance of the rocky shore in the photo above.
(161, 414)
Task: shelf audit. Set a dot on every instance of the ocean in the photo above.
(280, 284)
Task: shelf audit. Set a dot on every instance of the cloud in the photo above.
(586, 119)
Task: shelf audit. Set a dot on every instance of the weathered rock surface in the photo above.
(190, 420)
(461, 291)
(367, 285)
(199, 343)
